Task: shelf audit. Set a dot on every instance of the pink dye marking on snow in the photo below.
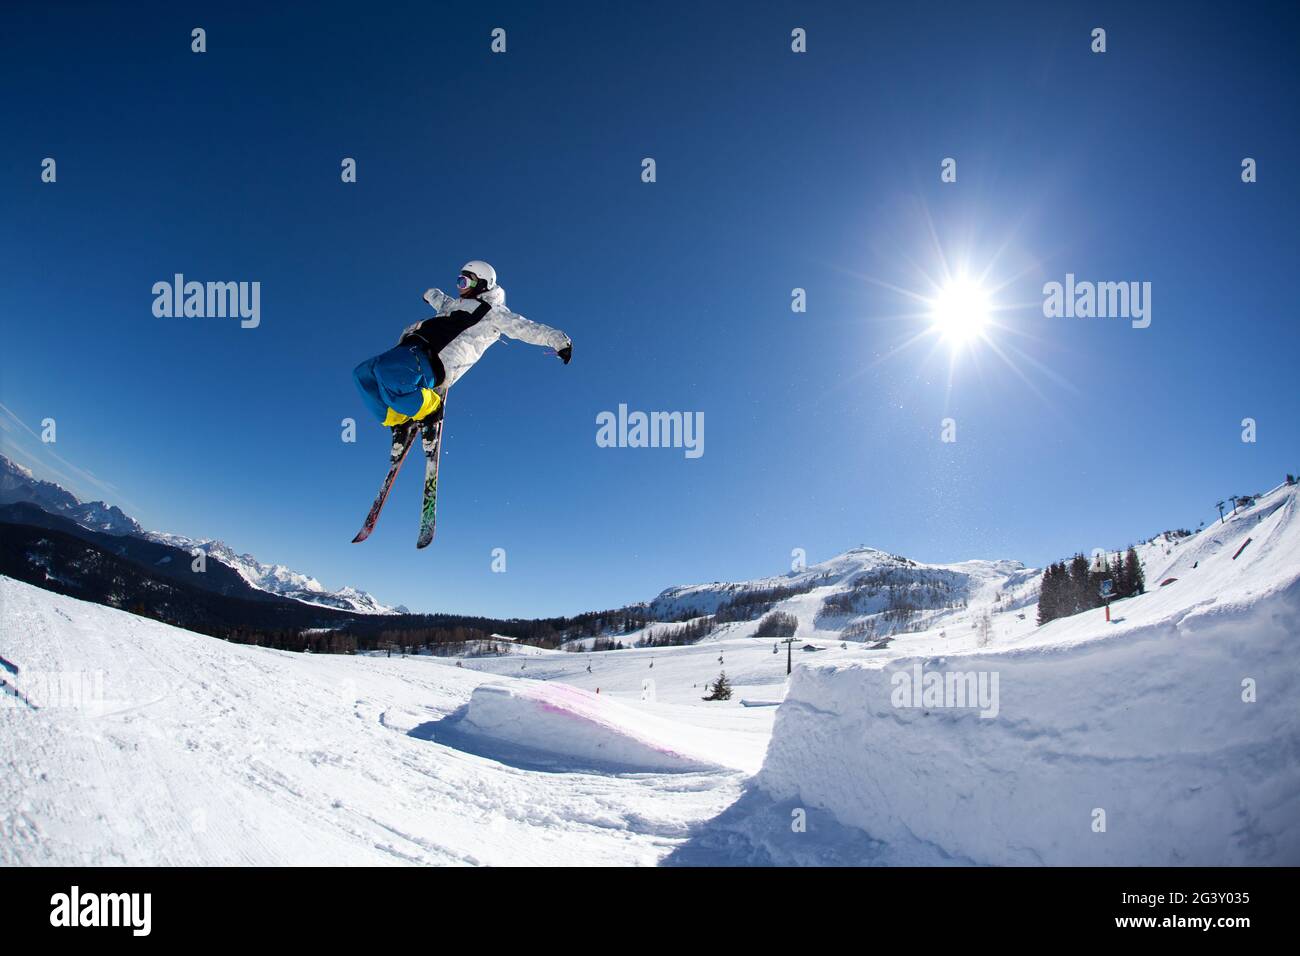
(576, 702)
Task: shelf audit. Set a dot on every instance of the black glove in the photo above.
(566, 353)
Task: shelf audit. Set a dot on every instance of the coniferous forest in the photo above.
(1076, 585)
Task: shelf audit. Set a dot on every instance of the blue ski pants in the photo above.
(395, 380)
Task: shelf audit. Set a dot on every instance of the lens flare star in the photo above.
(959, 313)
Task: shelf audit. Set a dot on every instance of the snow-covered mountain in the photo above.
(276, 578)
(861, 595)
(18, 484)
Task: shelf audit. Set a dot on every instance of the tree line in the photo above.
(1075, 586)
(675, 636)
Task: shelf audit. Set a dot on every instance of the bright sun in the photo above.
(960, 311)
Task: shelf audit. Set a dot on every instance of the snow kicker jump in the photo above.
(578, 726)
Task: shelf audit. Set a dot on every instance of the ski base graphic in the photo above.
(432, 442)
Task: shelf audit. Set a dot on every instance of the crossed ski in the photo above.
(403, 439)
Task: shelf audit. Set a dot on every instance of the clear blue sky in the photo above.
(775, 170)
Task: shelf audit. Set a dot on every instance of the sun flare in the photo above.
(960, 311)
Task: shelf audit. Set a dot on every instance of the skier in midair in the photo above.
(407, 382)
(406, 387)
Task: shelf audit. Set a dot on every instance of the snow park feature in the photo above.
(1149, 730)
(1165, 738)
(555, 718)
(1148, 727)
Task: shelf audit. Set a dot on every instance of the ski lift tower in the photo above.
(789, 654)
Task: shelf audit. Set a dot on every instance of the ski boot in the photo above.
(403, 433)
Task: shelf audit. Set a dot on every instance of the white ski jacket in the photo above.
(463, 329)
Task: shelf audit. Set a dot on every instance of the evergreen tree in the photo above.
(1120, 574)
(1046, 595)
(720, 689)
(1133, 575)
(1081, 580)
(1052, 594)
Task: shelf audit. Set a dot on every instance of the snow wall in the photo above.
(1149, 726)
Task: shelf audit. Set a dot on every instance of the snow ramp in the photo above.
(1136, 750)
(1171, 737)
(581, 729)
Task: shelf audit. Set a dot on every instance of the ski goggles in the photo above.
(464, 282)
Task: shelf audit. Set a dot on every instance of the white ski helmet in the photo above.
(480, 270)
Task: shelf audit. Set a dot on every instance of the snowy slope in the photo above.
(126, 741)
(200, 751)
(1143, 718)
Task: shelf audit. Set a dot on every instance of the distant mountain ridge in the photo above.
(19, 486)
(276, 578)
(862, 594)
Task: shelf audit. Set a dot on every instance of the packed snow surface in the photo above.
(1169, 735)
(557, 718)
(128, 741)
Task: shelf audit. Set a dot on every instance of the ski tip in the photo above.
(361, 536)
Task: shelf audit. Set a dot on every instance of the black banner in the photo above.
(338, 906)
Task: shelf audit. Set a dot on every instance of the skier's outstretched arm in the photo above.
(534, 333)
(441, 301)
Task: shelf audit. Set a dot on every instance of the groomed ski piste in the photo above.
(1170, 735)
